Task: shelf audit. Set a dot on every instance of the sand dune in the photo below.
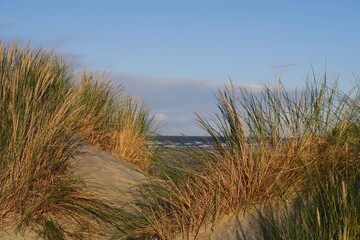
(114, 179)
(104, 173)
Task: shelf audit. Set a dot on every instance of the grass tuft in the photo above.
(113, 121)
(44, 116)
(268, 148)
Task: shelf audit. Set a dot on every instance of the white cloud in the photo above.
(174, 101)
(160, 117)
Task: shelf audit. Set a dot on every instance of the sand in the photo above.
(104, 173)
(111, 177)
(99, 169)
(236, 226)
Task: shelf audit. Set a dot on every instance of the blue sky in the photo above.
(175, 54)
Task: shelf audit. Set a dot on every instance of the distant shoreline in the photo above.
(183, 141)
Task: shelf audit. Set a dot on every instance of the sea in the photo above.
(183, 141)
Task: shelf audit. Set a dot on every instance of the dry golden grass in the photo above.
(43, 118)
(131, 146)
(267, 148)
(328, 206)
(114, 122)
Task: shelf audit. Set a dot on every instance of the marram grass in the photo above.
(298, 151)
(269, 147)
(113, 121)
(42, 121)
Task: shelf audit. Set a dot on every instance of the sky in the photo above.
(176, 54)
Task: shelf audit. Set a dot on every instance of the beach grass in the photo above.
(330, 211)
(329, 208)
(292, 157)
(269, 148)
(42, 124)
(114, 121)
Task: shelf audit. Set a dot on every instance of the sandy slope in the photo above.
(99, 169)
(239, 226)
(102, 170)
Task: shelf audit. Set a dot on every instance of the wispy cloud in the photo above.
(174, 101)
(282, 69)
(160, 117)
